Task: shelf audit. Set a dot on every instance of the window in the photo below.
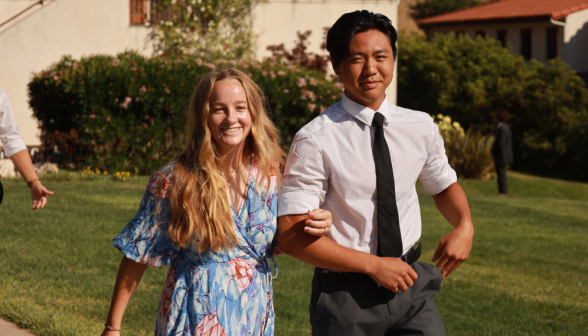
(459, 33)
(137, 11)
(552, 42)
(526, 43)
(501, 37)
(480, 33)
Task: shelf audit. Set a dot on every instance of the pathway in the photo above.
(10, 329)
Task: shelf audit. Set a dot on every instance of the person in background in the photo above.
(502, 149)
(15, 150)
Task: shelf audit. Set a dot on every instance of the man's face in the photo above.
(369, 69)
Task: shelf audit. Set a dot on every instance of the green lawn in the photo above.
(526, 274)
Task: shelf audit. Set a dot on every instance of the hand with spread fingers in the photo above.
(319, 222)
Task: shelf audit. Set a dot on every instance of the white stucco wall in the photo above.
(61, 27)
(277, 21)
(513, 35)
(9, 8)
(576, 40)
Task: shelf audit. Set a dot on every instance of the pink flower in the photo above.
(199, 61)
(211, 66)
(311, 106)
(116, 62)
(92, 116)
(301, 82)
(322, 109)
(241, 271)
(313, 81)
(115, 100)
(143, 89)
(286, 91)
(282, 73)
(55, 78)
(264, 73)
(209, 326)
(272, 75)
(126, 102)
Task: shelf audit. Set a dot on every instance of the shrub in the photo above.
(127, 113)
(468, 79)
(468, 152)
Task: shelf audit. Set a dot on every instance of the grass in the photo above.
(526, 274)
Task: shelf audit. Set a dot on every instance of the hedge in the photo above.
(468, 79)
(127, 112)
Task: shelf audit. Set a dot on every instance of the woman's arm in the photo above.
(128, 278)
(24, 165)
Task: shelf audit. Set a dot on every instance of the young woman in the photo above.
(211, 215)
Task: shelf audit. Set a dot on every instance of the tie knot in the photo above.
(378, 120)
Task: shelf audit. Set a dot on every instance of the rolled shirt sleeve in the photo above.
(9, 132)
(305, 181)
(437, 175)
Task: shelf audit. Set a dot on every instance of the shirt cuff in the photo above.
(13, 147)
(297, 202)
(441, 184)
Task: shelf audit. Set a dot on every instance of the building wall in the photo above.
(83, 27)
(513, 35)
(61, 27)
(576, 40)
(10, 8)
(277, 21)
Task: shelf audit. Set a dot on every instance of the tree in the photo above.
(210, 28)
(428, 8)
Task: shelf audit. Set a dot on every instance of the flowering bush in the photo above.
(468, 152)
(128, 112)
(209, 28)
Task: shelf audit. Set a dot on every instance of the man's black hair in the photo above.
(350, 24)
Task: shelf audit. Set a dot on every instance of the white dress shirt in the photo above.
(9, 133)
(331, 166)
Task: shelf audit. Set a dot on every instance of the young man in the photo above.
(360, 159)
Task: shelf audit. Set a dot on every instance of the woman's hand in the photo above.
(319, 222)
(39, 195)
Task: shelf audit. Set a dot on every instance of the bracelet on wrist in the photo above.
(31, 183)
(110, 328)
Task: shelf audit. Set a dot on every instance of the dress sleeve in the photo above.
(145, 239)
(437, 175)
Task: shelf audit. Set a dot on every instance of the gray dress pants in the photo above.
(353, 304)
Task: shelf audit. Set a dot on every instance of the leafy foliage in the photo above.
(468, 152)
(209, 28)
(468, 79)
(300, 56)
(427, 8)
(127, 113)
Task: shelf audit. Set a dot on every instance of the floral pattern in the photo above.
(212, 293)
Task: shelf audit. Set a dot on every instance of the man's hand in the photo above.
(456, 245)
(454, 248)
(393, 274)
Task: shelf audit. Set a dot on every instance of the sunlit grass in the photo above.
(526, 274)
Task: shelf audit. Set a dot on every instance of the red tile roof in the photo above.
(510, 9)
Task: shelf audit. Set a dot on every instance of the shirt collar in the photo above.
(364, 113)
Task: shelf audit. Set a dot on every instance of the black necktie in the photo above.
(389, 238)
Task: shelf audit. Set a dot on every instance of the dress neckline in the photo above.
(245, 192)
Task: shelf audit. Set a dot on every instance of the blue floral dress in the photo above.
(210, 293)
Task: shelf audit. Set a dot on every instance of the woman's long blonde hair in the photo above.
(200, 208)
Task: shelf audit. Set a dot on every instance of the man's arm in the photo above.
(456, 245)
(391, 273)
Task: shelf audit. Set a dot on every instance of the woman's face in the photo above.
(229, 119)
